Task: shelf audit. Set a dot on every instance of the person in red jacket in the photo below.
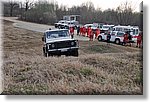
(125, 39)
(84, 31)
(72, 32)
(97, 33)
(81, 30)
(139, 40)
(90, 33)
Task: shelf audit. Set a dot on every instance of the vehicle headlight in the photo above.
(72, 43)
(52, 45)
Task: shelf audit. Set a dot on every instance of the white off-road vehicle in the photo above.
(69, 24)
(134, 30)
(58, 25)
(116, 37)
(58, 42)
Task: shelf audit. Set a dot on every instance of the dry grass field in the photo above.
(99, 69)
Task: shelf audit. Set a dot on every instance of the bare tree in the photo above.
(28, 4)
(124, 13)
(12, 4)
(46, 12)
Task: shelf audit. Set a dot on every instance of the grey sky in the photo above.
(103, 4)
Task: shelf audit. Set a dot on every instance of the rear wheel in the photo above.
(117, 41)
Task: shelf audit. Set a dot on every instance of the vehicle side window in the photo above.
(120, 34)
(118, 29)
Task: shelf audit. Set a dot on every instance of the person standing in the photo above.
(72, 32)
(81, 30)
(90, 33)
(130, 38)
(125, 39)
(84, 31)
(97, 33)
(78, 30)
(139, 40)
(108, 37)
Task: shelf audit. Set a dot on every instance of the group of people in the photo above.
(90, 33)
(85, 32)
(128, 39)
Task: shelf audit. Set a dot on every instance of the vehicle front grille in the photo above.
(62, 44)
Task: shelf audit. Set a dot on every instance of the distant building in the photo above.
(72, 17)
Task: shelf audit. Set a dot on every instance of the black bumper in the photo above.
(62, 50)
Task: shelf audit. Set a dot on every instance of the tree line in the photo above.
(50, 12)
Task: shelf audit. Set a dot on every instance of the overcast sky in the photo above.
(103, 4)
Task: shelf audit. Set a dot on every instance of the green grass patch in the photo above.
(86, 71)
(101, 49)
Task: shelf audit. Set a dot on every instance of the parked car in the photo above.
(116, 37)
(57, 25)
(134, 30)
(105, 28)
(58, 42)
(69, 24)
(93, 27)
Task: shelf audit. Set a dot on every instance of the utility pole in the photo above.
(141, 15)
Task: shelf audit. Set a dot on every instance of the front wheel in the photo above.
(75, 53)
(99, 38)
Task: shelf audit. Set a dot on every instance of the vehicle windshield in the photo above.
(57, 34)
(113, 33)
(61, 22)
(123, 29)
(135, 31)
(94, 25)
(106, 27)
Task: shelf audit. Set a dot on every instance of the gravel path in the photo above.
(36, 27)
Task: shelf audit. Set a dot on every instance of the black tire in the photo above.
(75, 53)
(117, 41)
(44, 52)
(99, 38)
(59, 27)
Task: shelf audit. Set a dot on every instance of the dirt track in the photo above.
(36, 27)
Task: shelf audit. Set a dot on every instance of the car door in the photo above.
(120, 36)
(104, 36)
(113, 36)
